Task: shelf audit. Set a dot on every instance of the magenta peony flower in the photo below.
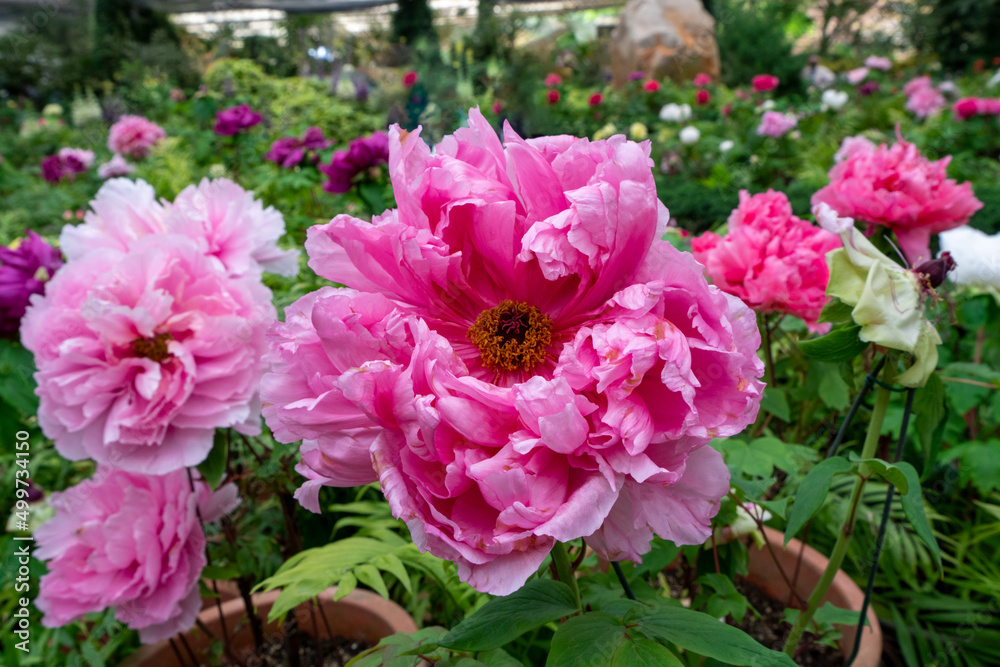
(410, 79)
(25, 267)
(134, 136)
(129, 541)
(235, 120)
(967, 107)
(524, 360)
(878, 62)
(701, 80)
(77, 160)
(232, 227)
(115, 167)
(142, 354)
(290, 151)
(764, 82)
(54, 169)
(553, 80)
(772, 260)
(897, 187)
(362, 154)
(868, 88)
(922, 98)
(776, 124)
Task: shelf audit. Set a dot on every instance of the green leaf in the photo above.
(841, 344)
(220, 572)
(929, 411)
(17, 384)
(812, 492)
(214, 466)
(502, 620)
(348, 583)
(833, 391)
(642, 652)
(913, 507)
(704, 635)
(91, 655)
(395, 650)
(727, 600)
(369, 576)
(828, 614)
(835, 311)
(597, 638)
(775, 402)
(890, 472)
(390, 563)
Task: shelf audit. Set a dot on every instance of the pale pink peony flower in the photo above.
(776, 124)
(233, 227)
(878, 62)
(121, 212)
(856, 76)
(129, 541)
(525, 362)
(115, 167)
(897, 187)
(852, 145)
(142, 354)
(769, 258)
(922, 98)
(134, 136)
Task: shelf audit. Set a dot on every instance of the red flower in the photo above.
(996, 61)
(596, 99)
(497, 107)
(703, 97)
(553, 96)
(764, 82)
(410, 79)
(553, 80)
(651, 86)
(978, 65)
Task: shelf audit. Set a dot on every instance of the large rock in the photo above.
(664, 39)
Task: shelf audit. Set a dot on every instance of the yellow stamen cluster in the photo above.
(154, 348)
(512, 336)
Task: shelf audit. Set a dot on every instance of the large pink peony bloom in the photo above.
(134, 136)
(129, 541)
(142, 354)
(121, 212)
(772, 260)
(897, 187)
(524, 360)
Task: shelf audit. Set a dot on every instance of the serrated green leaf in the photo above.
(214, 466)
(704, 635)
(775, 402)
(913, 507)
(841, 344)
(502, 620)
(812, 492)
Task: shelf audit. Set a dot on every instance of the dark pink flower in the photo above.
(967, 107)
(651, 86)
(764, 82)
(362, 154)
(553, 80)
(25, 266)
(497, 107)
(703, 97)
(701, 80)
(636, 76)
(134, 136)
(596, 99)
(235, 120)
(552, 96)
(410, 79)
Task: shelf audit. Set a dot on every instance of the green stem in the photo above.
(564, 570)
(765, 327)
(844, 539)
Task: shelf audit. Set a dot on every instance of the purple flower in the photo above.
(636, 76)
(290, 151)
(363, 154)
(24, 269)
(235, 120)
(313, 140)
(53, 169)
(868, 88)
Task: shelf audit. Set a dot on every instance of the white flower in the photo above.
(994, 80)
(976, 255)
(690, 135)
(52, 110)
(726, 146)
(675, 113)
(947, 87)
(834, 99)
(766, 106)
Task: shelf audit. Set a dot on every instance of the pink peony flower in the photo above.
(596, 99)
(897, 187)
(776, 124)
(878, 62)
(772, 260)
(121, 212)
(25, 266)
(552, 96)
(856, 76)
(967, 107)
(233, 228)
(524, 361)
(552, 79)
(115, 167)
(142, 354)
(651, 86)
(922, 98)
(764, 82)
(701, 80)
(410, 79)
(134, 136)
(235, 120)
(703, 97)
(129, 541)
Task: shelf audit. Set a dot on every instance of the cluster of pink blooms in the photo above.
(115, 167)
(897, 187)
(518, 357)
(146, 341)
(967, 107)
(235, 120)
(764, 82)
(923, 98)
(134, 136)
(66, 164)
(769, 258)
(290, 151)
(776, 124)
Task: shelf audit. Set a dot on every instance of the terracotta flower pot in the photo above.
(843, 592)
(361, 615)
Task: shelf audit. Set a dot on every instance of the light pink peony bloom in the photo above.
(142, 354)
(77, 159)
(233, 227)
(772, 260)
(525, 360)
(852, 145)
(878, 62)
(115, 167)
(121, 212)
(922, 98)
(776, 124)
(897, 187)
(856, 76)
(129, 541)
(134, 136)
